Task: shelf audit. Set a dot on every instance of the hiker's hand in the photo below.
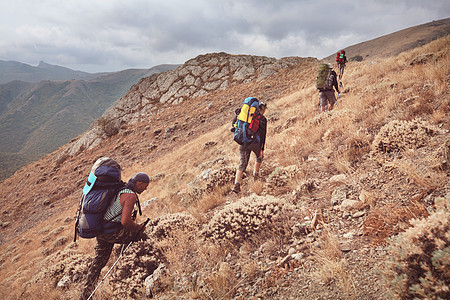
(141, 236)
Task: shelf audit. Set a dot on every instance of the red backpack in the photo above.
(340, 56)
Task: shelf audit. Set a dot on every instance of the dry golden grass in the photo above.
(374, 94)
(207, 202)
(332, 267)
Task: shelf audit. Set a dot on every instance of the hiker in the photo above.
(120, 230)
(326, 96)
(257, 147)
(341, 59)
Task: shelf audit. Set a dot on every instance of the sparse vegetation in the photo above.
(335, 190)
(356, 58)
(419, 261)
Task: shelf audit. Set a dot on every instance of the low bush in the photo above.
(419, 262)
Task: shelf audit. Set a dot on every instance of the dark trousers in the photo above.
(103, 249)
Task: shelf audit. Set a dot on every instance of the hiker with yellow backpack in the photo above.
(249, 127)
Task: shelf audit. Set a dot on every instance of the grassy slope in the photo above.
(374, 95)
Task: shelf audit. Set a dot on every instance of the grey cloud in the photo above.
(142, 33)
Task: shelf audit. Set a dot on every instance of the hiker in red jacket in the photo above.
(341, 59)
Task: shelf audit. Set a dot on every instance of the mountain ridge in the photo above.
(37, 118)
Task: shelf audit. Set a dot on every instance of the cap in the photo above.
(141, 177)
(262, 105)
(330, 66)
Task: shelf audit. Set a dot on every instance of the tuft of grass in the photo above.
(332, 267)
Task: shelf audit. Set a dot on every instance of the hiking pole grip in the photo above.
(140, 230)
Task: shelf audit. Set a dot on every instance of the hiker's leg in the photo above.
(238, 177)
(323, 101)
(102, 252)
(244, 153)
(259, 158)
(331, 99)
(245, 156)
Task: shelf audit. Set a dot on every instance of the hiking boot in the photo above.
(255, 175)
(237, 187)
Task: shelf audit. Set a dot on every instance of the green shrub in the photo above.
(419, 262)
(356, 58)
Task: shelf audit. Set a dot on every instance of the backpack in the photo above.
(103, 184)
(324, 77)
(340, 57)
(247, 122)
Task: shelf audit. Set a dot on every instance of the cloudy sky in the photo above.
(112, 35)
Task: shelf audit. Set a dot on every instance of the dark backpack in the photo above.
(324, 79)
(102, 185)
(247, 122)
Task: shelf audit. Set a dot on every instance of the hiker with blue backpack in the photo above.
(250, 127)
(119, 224)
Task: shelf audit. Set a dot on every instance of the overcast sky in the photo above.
(112, 35)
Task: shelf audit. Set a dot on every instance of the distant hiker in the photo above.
(120, 230)
(326, 80)
(341, 59)
(256, 146)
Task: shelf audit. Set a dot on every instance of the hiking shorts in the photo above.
(327, 97)
(245, 151)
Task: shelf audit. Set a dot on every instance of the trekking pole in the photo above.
(120, 256)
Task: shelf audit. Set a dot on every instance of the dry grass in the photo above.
(208, 202)
(374, 94)
(332, 267)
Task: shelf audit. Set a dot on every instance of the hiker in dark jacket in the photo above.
(341, 59)
(326, 96)
(257, 147)
(121, 230)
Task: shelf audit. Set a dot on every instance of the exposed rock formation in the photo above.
(196, 78)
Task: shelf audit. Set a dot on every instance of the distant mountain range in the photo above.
(44, 107)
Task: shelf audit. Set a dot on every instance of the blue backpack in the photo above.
(247, 122)
(103, 184)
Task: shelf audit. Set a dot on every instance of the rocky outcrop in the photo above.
(197, 77)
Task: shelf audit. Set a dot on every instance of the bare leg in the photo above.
(239, 174)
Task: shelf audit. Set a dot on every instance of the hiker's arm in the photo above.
(127, 200)
(263, 130)
(335, 84)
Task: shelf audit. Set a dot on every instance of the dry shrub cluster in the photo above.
(240, 220)
(67, 263)
(278, 181)
(419, 260)
(140, 261)
(400, 135)
(220, 177)
(164, 226)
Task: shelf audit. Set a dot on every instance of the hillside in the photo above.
(334, 186)
(37, 118)
(395, 43)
